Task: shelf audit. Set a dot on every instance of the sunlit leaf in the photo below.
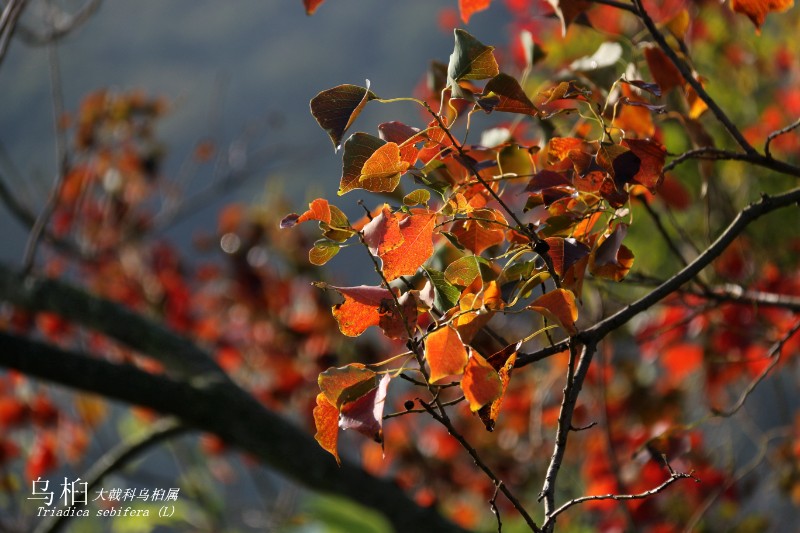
(365, 414)
(357, 151)
(566, 90)
(360, 309)
(417, 197)
(558, 305)
(338, 229)
(346, 384)
(322, 252)
(470, 60)
(467, 8)
(479, 232)
(326, 420)
(463, 271)
(481, 383)
(445, 353)
(503, 93)
(336, 109)
(757, 10)
(697, 106)
(382, 171)
(477, 308)
(416, 248)
(318, 209)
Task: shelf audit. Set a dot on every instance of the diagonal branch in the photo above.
(231, 413)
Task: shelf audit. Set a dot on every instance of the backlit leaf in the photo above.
(360, 309)
(463, 271)
(365, 414)
(445, 353)
(346, 384)
(503, 93)
(417, 247)
(558, 305)
(477, 233)
(417, 197)
(470, 60)
(336, 109)
(481, 383)
(318, 209)
(467, 8)
(757, 10)
(322, 252)
(326, 420)
(357, 151)
(382, 171)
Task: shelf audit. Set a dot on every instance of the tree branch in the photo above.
(226, 410)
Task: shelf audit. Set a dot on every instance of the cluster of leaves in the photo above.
(514, 224)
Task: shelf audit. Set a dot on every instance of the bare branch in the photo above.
(60, 27)
(775, 354)
(778, 133)
(8, 23)
(675, 476)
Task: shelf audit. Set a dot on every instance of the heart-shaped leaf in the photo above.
(470, 60)
(336, 109)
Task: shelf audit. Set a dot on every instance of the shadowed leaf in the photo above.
(663, 71)
(445, 353)
(503, 93)
(417, 197)
(365, 414)
(470, 60)
(336, 109)
(444, 294)
(357, 151)
(568, 10)
(565, 252)
(651, 156)
(611, 259)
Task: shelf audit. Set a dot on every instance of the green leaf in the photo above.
(470, 60)
(446, 295)
(464, 270)
(339, 228)
(436, 176)
(322, 252)
(357, 150)
(420, 196)
(336, 109)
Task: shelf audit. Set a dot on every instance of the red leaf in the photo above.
(757, 10)
(469, 7)
(481, 383)
(416, 248)
(652, 156)
(664, 71)
(326, 420)
(311, 6)
(681, 361)
(445, 353)
(365, 414)
(346, 384)
(559, 306)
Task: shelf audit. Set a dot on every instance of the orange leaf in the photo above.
(611, 259)
(478, 235)
(346, 384)
(559, 306)
(417, 246)
(478, 309)
(382, 233)
(502, 361)
(326, 420)
(697, 105)
(481, 383)
(382, 171)
(318, 209)
(360, 309)
(565, 252)
(445, 353)
(757, 10)
(469, 7)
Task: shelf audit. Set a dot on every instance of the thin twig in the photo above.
(707, 153)
(775, 354)
(495, 510)
(778, 133)
(674, 476)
